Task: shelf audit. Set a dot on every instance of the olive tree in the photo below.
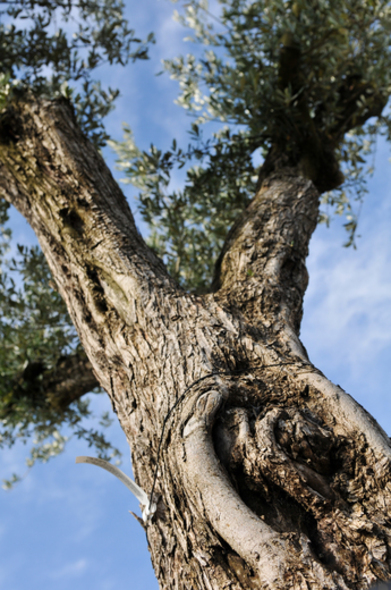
(259, 472)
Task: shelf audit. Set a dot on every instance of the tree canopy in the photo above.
(309, 78)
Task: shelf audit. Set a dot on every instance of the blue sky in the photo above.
(66, 525)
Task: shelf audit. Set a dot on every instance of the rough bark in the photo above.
(267, 475)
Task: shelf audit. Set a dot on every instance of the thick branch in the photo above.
(359, 101)
(58, 181)
(53, 389)
(69, 380)
(261, 270)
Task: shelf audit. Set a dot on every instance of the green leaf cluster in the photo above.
(241, 78)
(307, 78)
(357, 157)
(53, 46)
(35, 332)
(188, 226)
(34, 322)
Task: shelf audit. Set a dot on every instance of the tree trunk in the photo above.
(267, 475)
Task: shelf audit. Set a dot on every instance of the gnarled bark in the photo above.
(266, 474)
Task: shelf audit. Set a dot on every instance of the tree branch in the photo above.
(261, 271)
(69, 380)
(53, 389)
(57, 180)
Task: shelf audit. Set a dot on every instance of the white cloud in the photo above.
(349, 299)
(69, 570)
(347, 308)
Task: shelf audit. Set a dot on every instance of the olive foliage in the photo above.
(307, 78)
(51, 48)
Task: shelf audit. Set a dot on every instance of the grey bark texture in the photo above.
(266, 474)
